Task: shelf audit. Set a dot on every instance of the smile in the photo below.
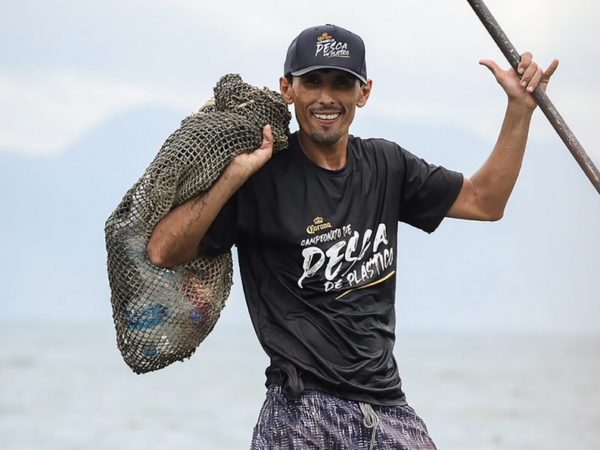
(327, 116)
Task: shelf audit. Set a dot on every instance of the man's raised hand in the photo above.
(518, 87)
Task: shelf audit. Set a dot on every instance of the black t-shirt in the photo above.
(317, 255)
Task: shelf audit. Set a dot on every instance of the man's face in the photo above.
(325, 102)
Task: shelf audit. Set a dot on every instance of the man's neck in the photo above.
(327, 156)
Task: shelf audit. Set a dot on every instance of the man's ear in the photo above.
(365, 91)
(286, 90)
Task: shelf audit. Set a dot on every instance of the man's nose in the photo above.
(326, 94)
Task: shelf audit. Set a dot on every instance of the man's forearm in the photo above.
(484, 195)
(494, 182)
(176, 237)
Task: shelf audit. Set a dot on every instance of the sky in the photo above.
(89, 90)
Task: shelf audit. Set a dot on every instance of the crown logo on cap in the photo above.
(325, 36)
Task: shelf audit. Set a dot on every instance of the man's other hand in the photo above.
(519, 87)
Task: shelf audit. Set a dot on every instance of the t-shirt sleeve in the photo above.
(428, 192)
(222, 234)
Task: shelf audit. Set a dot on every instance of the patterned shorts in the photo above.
(322, 421)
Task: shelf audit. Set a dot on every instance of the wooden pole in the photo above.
(563, 130)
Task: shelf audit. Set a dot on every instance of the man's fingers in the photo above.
(494, 68)
(535, 79)
(265, 151)
(267, 137)
(550, 70)
(245, 164)
(531, 75)
(525, 61)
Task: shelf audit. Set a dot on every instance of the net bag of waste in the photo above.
(162, 315)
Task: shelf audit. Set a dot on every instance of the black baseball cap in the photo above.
(326, 47)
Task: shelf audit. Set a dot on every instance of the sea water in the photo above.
(66, 387)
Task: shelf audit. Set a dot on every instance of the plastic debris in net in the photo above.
(162, 315)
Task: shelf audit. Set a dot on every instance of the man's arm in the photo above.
(485, 194)
(176, 237)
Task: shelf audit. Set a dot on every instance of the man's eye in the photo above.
(343, 82)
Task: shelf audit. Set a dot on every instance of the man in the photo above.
(316, 227)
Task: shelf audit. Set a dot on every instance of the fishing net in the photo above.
(162, 315)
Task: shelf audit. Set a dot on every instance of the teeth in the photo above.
(326, 116)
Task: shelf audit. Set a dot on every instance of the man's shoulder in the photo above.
(376, 148)
(373, 143)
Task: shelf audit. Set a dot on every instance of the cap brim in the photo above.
(311, 68)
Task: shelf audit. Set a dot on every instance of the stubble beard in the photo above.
(326, 138)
